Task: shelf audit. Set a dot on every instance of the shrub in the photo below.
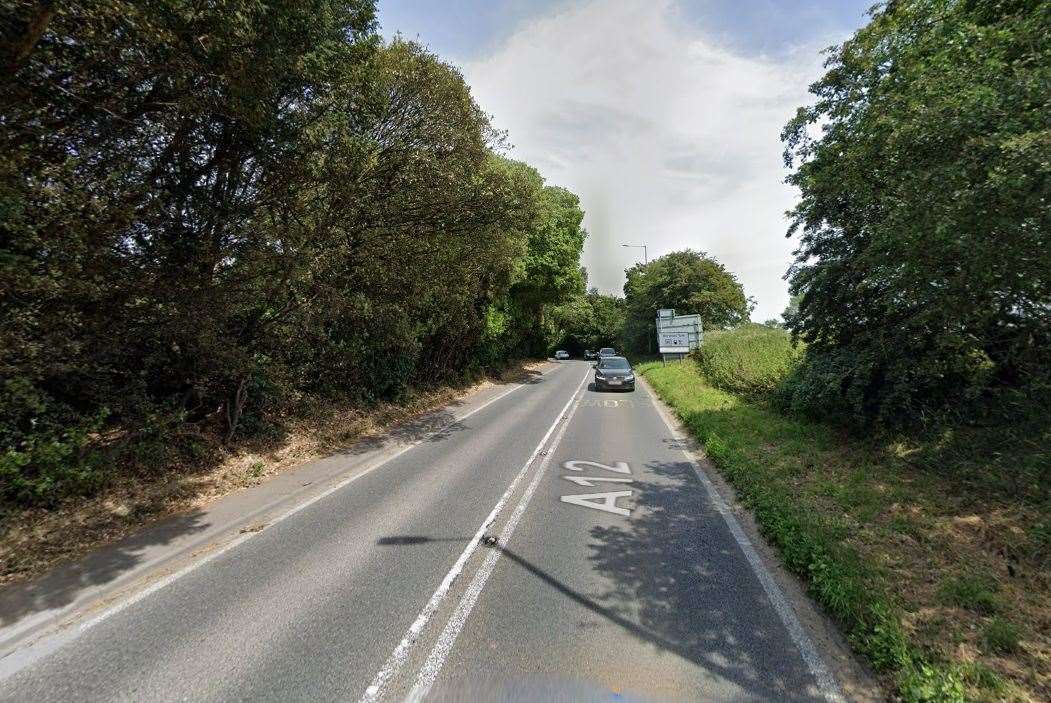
(50, 464)
(1000, 636)
(972, 592)
(926, 683)
(753, 360)
(923, 257)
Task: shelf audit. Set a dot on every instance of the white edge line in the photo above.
(239, 540)
(432, 666)
(814, 662)
(401, 652)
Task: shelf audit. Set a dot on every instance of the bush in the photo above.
(753, 360)
(1001, 636)
(923, 270)
(51, 464)
(975, 593)
(336, 223)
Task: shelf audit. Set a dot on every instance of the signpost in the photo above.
(678, 335)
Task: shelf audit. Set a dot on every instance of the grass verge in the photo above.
(34, 540)
(941, 586)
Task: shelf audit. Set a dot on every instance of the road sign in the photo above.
(678, 335)
(672, 342)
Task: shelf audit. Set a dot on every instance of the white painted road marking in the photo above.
(430, 669)
(401, 653)
(826, 684)
(590, 481)
(606, 502)
(621, 467)
(606, 403)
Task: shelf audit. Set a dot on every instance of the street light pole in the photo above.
(645, 252)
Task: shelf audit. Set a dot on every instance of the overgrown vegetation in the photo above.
(924, 266)
(213, 213)
(590, 321)
(753, 360)
(941, 584)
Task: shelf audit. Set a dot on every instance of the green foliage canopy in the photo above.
(691, 283)
(924, 264)
(210, 210)
(590, 321)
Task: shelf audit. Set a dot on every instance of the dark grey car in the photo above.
(614, 373)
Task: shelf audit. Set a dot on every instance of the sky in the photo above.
(664, 116)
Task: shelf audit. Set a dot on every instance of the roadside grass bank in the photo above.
(751, 360)
(192, 471)
(938, 578)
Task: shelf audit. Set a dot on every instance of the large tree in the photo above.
(691, 283)
(924, 263)
(208, 210)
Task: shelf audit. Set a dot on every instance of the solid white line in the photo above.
(431, 668)
(12, 664)
(401, 653)
(813, 660)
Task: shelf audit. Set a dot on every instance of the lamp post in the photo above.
(646, 260)
(645, 253)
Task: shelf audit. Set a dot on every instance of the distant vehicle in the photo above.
(614, 372)
(561, 354)
(606, 351)
(589, 354)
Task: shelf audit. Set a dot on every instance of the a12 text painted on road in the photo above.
(605, 501)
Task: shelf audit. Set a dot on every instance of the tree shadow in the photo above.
(61, 586)
(677, 573)
(431, 426)
(679, 583)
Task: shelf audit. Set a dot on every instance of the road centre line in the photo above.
(45, 644)
(401, 652)
(815, 663)
(428, 673)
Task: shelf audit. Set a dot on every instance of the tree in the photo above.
(791, 309)
(924, 263)
(209, 211)
(549, 272)
(590, 321)
(691, 283)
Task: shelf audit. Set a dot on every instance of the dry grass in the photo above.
(33, 541)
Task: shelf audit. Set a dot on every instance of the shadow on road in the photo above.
(433, 426)
(678, 582)
(61, 586)
(676, 571)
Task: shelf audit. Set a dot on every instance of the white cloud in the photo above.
(668, 138)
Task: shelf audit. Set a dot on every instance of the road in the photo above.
(555, 543)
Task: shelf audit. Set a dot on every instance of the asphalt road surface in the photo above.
(555, 544)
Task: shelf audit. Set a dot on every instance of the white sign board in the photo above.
(673, 342)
